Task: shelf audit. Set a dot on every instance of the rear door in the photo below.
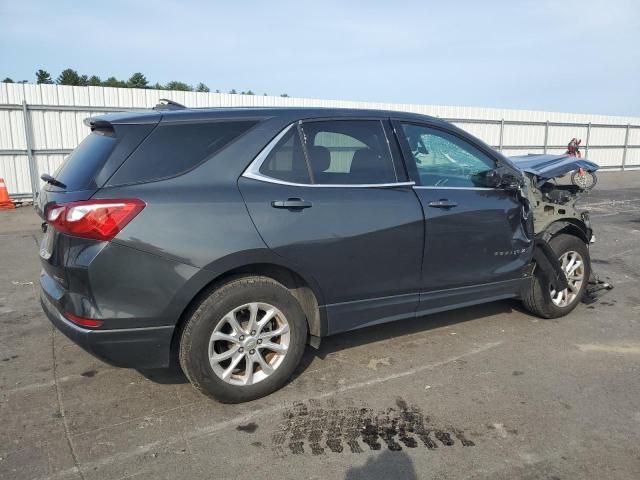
(476, 240)
(332, 196)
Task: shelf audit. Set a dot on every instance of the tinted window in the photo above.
(349, 152)
(80, 168)
(444, 160)
(286, 161)
(173, 149)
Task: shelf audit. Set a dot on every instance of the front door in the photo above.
(332, 197)
(476, 241)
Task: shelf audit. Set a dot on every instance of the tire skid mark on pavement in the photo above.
(395, 427)
(350, 435)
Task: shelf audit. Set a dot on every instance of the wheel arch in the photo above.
(545, 258)
(303, 288)
(570, 226)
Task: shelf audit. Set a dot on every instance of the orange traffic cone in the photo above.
(5, 201)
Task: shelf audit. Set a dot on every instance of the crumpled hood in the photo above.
(550, 166)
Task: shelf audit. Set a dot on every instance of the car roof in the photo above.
(289, 113)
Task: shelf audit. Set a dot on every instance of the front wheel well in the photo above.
(576, 228)
(298, 287)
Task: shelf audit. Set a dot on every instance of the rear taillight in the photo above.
(84, 322)
(95, 219)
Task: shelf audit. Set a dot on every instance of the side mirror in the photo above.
(511, 181)
(493, 179)
(500, 178)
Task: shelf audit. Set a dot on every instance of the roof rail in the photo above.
(166, 104)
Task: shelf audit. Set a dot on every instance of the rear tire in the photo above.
(540, 297)
(244, 340)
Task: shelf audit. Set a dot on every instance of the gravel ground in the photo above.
(482, 392)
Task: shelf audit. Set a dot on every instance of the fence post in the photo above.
(626, 147)
(33, 166)
(546, 135)
(586, 144)
(501, 133)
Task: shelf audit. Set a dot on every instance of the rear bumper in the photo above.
(147, 347)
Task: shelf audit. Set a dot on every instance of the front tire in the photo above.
(244, 340)
(541, 298)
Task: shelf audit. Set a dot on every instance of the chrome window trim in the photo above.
(423, 187)
(253, 170)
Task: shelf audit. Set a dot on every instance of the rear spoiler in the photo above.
(100, 126)
(166, 104)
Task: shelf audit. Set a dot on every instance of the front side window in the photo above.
(348, 152)
(444, 160)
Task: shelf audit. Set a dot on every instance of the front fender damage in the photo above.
(547, 261)
(555, 212)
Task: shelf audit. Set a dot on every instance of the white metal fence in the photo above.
(41, 124)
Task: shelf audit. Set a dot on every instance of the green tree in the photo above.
(157, 86)
(138, 80)
(233, 91)
(8, 80)
(42, 76)
(284, 95)
(94, 81)
(68, 77)
(114, 82)
(202, 88)
(175, 85)
(84, 80)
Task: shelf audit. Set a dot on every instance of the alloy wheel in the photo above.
(249, 343)
(573, 266)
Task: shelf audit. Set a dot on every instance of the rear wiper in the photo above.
(52, 181)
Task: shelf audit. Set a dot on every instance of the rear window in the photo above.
(81, 167)
(173, 149)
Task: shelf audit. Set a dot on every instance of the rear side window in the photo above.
(173, 149)
(81, 167)
(286, 161)
(352, 152)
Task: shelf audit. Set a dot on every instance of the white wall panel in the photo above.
(523, 135)
(14, 169)
(606, 157)
(607, 136)
(562, 135)
(633, 157)
(12, 130)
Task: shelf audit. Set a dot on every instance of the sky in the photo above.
(573, 56)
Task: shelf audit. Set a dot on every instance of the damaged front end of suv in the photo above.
(553, 201)
(562, 268)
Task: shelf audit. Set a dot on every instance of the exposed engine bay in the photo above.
(550, 198)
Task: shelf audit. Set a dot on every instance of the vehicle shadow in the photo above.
(377, 333)
(386, 465)
(364, 336)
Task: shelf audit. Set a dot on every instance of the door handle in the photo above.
(291, 204)
(443, 203)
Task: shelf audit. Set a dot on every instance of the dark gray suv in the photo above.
(231, 238)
